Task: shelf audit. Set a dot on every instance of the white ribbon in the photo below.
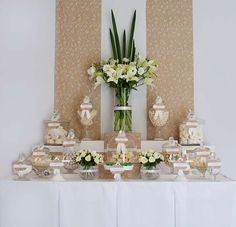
(157, 114)
(85, 114)
(192, 131)
(121, 147)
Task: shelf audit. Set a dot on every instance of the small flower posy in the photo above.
(88, 158)
(150, 158)
(127, 74)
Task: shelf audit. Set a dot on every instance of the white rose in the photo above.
(93, 153)
(91, 70)
(151, 159)
(155, 155)
(141, 71)
(83, 154)
(78, 159)
(96, 160)
(144, 160)
(88, 158)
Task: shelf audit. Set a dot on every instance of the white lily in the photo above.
(126, 60)
(131, 71)
(120, 74)
(141, 71)
(148, 81)
(91, 71)
(114, 78)
(131, 78)
(99, 81)
(111, 72)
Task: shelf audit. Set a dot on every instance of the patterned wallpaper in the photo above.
(78, 44)
(170, 41)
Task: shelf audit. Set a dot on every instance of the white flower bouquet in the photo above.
(88, 161)
(125, 72)
(150, 159)
(88, 158)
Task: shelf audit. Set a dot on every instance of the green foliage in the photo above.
(131, 35)
(115, 42)
(124, 45)
(113, 45)
(116, 36)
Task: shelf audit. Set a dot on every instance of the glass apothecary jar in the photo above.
(22, 167)
(200, 159)
(171, 151)
(56, 164)
(191, 130)
(40, 161)
(55, 130)
(70, 147)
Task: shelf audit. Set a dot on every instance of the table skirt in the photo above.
(117, 204)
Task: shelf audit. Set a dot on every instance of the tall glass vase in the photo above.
(122, 110)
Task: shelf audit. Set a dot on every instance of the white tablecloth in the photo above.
(117, 204)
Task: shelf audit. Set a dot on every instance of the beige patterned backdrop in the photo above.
(170, 41)
(78, 38)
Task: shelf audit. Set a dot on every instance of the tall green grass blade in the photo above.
(133, 51)
(131, 34)
(124, 45)
(116, 36)
(113, 45)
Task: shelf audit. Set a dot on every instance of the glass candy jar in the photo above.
(191, 130)
(214, 167)
(70, 153)
(158, 116)
(55, 130)
(171, 151)
(22, 167)
(40, 161)
(200, 159)
(87, 114)
(122, 110)
(56, 164)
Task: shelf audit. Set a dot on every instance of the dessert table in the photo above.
(101, 203)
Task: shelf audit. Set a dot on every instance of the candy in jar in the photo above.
(191, 130)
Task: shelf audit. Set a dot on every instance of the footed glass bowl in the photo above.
(152, 173)
(88, 174)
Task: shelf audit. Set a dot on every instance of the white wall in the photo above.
(215, 75)
(27, 30)
(26, 74)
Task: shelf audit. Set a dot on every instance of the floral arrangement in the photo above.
(88, 158)
(124, 72)
(150, 159)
